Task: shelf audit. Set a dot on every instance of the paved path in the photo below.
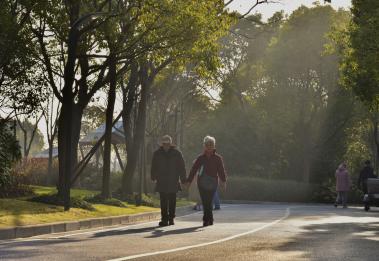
(241, 232)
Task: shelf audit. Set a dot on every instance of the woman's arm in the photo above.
(221, 170)
(194, 169)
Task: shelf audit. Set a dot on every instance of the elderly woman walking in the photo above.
(342, 185)
(209, 167)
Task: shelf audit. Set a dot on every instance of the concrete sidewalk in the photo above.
(35, 230)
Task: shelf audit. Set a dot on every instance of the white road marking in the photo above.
(33, 239)
(205, 244)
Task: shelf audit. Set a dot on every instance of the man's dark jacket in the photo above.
(366, 173)
(166, 168)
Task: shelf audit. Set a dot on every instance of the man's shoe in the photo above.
(205, 223)
(217, 208)
(163, 223)
(210, 223)
(171, 222)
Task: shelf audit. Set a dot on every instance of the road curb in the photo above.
(36, 230)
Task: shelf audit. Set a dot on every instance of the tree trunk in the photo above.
(106, 193)
(375, 122)
(129, 97)
(127, 181)
(25, 146)
(50, 164)
(66, 123)
(68, 140)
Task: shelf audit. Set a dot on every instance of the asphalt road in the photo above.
(241, 232)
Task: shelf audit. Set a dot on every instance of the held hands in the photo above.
(186, 185)
(223, 185)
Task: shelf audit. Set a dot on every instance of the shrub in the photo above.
(11, 183)
(98, 199)
(53, 199)
(35, 171)
(146, 200)
(91, 177)
(326, 193)
(257, 189)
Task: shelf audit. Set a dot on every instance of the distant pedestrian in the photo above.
(166, 169)
(216, 201)
(342, 185)
(210, 169)
(366, 173)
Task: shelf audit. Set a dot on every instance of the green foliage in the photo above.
(281, 116)
(257, 189)
(11, 182)
(360, 64)
(9, 148)
(22, 86)
(93, 117)
(146, 200)
(98, 199)
(358, 148)
(326, 193)
(53, 199)
(12, 186)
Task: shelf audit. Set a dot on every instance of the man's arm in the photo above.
(181, 168)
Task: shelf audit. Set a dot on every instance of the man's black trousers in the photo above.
(168, 205)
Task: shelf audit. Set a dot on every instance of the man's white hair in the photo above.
(209, 140)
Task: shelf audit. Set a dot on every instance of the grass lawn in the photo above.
(20, 212)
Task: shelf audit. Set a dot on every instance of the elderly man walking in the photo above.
(166, 169)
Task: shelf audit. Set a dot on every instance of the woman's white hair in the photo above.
(209, 140)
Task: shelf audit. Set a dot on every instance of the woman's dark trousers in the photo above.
(206, 199)
(168, 205)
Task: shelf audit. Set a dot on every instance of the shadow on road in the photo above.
(335, 241)
(160, 233)
(124, 231)
(29, 249)
(156, 232)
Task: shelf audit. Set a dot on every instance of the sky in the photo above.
(243, 6)
(288, 6)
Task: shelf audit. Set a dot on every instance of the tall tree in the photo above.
(21, 84)
(190, 37)
(359, 66)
